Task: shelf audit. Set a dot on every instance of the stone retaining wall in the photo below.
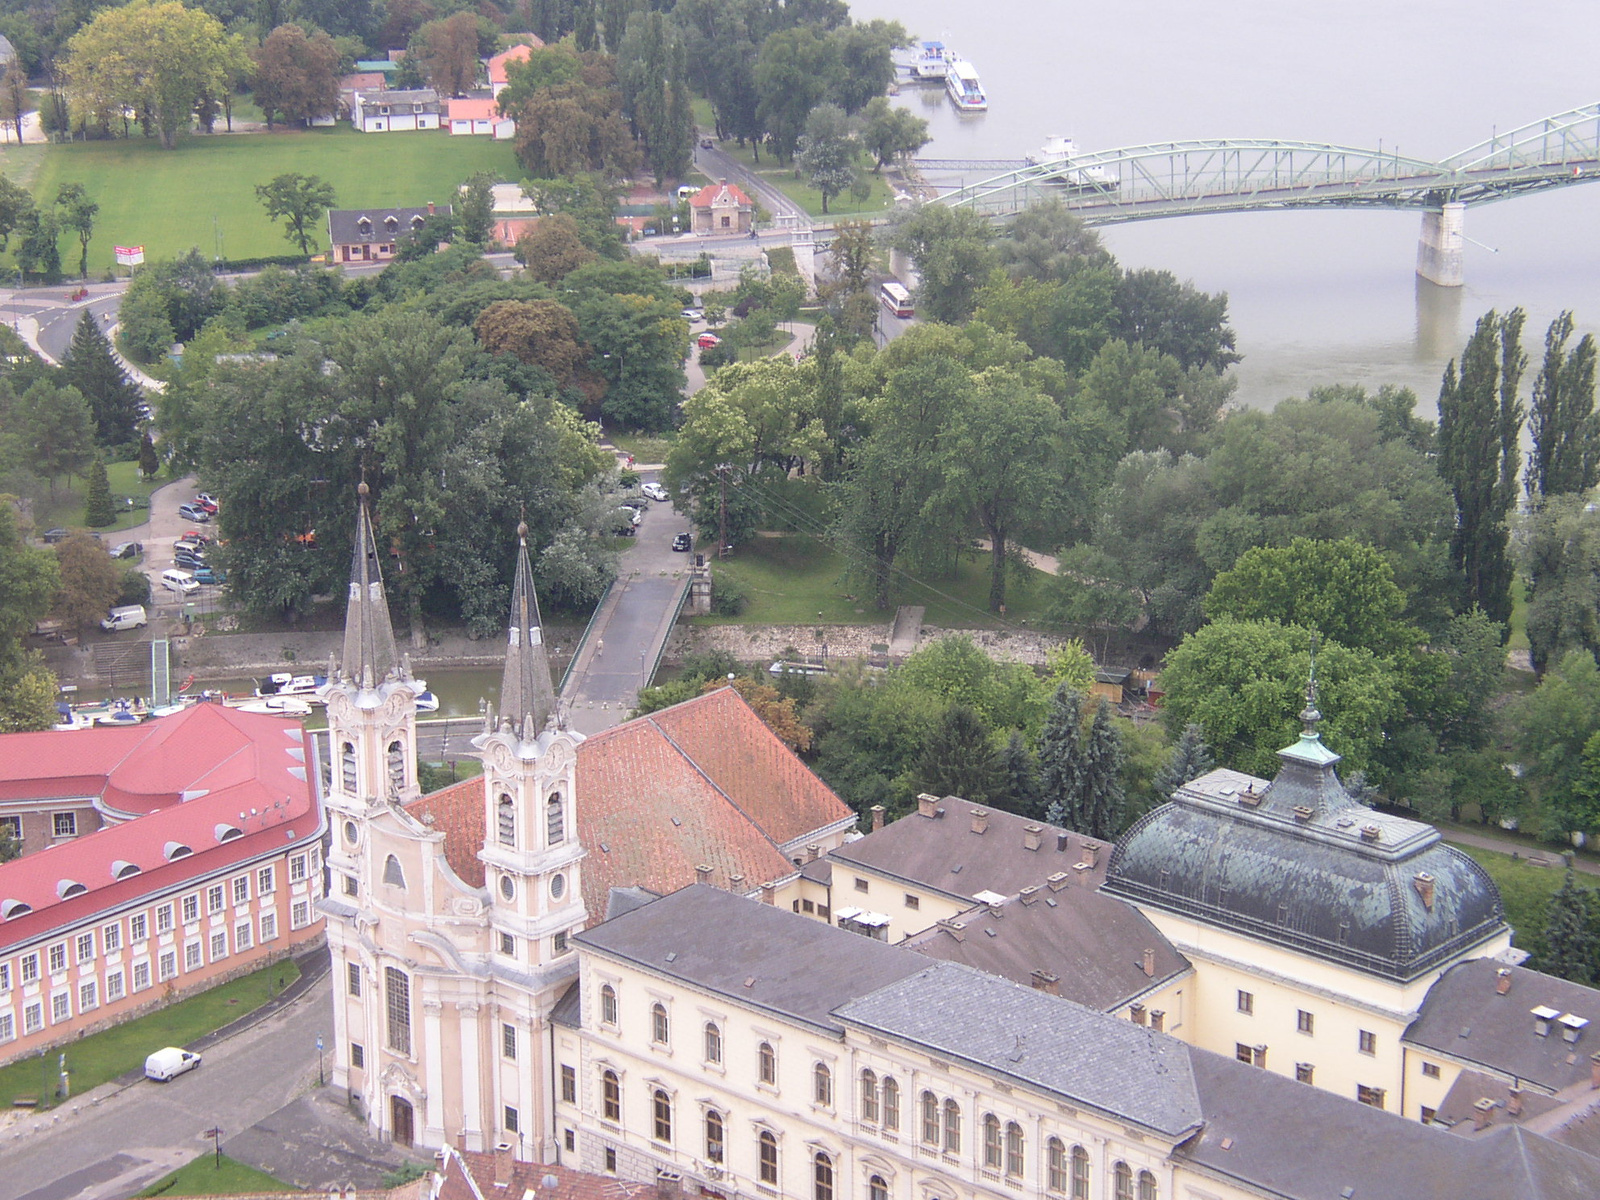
(753, 643)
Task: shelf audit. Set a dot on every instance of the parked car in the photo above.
(207, 501)
(190, 543)
(193, 512)
(179, 581)
(707, 340)
(694, 314)
(654, 491)
(128, 616)
(681, 542)
(127, 550)
(165, 1065)
(52, 536)
(205, 539)
(188, 560)
(706, 143)
(209, 575)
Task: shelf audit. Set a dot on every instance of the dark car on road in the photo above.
(681, 542)
(52, 536)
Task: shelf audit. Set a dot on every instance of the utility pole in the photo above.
(722, 515)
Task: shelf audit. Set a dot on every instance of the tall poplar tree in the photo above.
(1561, 420)
(1062, 764)
(1103, 793)
(1569, 941)
(1480, 421)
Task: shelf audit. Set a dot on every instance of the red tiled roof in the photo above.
(191, 779)
(362, 81)
(525, 1179)
(473, 110)
(497, 64)
(704, 783)
(724, 192)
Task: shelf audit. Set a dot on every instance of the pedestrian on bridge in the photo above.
(600, 647)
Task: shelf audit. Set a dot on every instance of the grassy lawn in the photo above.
(203, 193)
(20, 164)
(103, 1056)
(204, 1177)
(65, 508)
(783, 178)
(1526, 891)
(798, 580)
(645, 448)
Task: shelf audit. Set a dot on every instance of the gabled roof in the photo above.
(345, 229)
(498, 64)
(473, 109)
(722, 193)
(363, 81)
(206, 787)
(470, 1175)
(1465, 1017)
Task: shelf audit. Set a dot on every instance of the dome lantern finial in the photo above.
(1309, 714)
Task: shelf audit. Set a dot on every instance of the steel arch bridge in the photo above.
(1171, 179)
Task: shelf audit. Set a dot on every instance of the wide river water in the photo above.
(1316, 297)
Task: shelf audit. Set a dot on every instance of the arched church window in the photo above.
(392, 874)
(555, 823)
(347, 768)
(397, 765)
(506, 820)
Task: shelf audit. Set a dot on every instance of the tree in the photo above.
(475, 213)
(777, 711)
(15, 205)
(1562, 422)
(97, 510)
(90, 581)
(959, 758)
(572, 124)
(953, 252)
(1480, 421)
(1570, 944)
(29, 580)
(39, 250)
(535, 331)
(149, 464)
(553, 248)
(448, 51)
(791, 79)
(115, 400)
(1019, 778)
(1550, 728)
(299, 201)
(296, 75)
(53, 427)
(1062, 764)
(827, 152)
(1102, 784)
(1560, 555)
(14, 104)
(77, 214)
(144, 331)
(889, 131)
(1174, 318)
(10, 843)
(155, 57)
(1191, 758)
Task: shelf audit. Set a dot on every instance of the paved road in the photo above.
(133, 1136)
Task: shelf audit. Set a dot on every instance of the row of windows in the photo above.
(1306, 1022)
(1305, 1072)
(81, 948)
(62, 824)
(766, 1056)
(555, 825)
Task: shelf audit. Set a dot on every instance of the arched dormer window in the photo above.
(555, 820)
(391, 223)
(392, 874)
(364, 227)
(397, 765)
(506, 821)
(417, 222)
(347, 768)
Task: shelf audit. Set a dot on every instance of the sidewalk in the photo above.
(1552, 855)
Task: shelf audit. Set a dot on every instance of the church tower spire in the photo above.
(369, 649)
(527, 699)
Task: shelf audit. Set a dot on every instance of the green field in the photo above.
(206, 1177)
(66, 506)
(203, 193)
(1526, 891)
(101, 1057)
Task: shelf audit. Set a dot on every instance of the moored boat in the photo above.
(1063, 150)
(278, 706)
(962, 83)
(286, 684)
(932, 61)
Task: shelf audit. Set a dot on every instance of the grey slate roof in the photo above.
(1464, 1017)
(568, 1010)
(752, 953)
(1293, 1140)
(1085, 1057)
(1300, 863)
(1093, 943)
(944, 854)
(344, 224)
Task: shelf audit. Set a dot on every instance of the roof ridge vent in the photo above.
(1370, 833)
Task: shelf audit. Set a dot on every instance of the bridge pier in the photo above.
(1442, 244)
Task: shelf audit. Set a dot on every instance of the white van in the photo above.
(179, 581)
(129, 616)
(165, 1065)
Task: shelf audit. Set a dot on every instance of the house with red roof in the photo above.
(497, 66)
(476, 115)
(181, 852)
(721, 207)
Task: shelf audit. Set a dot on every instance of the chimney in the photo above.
(1514, 1102)
(430, 208)
(1029, 894)
(927, 805)
(1542, 1017)
(1572, 1027)
(1482, 1111)
(956, 929)
(669, 1185)
(736, 883)
(1369, 833)
(877, 817)
(768, 893)
(702, 874)
(461, 1140)
(1150, 963)
(1502, 981)
(1085, 872)
(813, 852)
(1424, 884)
(1063, 843)
(1047, 981)
(1057, 881)
(980, 820)
(504, 1159)
(1091, 853)
(1594, 1071)
(1136, 1013)
(1032, 837)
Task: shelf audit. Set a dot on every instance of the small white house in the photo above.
(479, 116)
(394, 112)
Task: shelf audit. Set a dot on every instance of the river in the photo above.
(1316, 297)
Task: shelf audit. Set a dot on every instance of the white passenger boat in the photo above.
(277, 706)
(285, 684)
(932, 61)
(962, 83)
(1058, 149)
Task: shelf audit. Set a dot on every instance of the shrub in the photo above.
(729, 597)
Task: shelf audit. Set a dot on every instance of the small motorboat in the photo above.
(121, 712)
(278, 706)
(285, 684)
(427, 702)
(71, 718)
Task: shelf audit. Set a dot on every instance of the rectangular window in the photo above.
(297, 869)
(85, 947)
(611, 1159)
(299, 914)
(8, 1027)
(805, 906)
(269, 927)
(350, 887)
(358, 1055)
(11, 825)
(243, 937)
(1302, 1072)
(88, 995)
(113, 986)
(241, 890)
(508, 944)
(266, 881)
(1369, 1095)
(861, 884)
(1305, 1022)
(558, 944)
(33, 1018)
(216, 897)
(58, 957)
(352, 979)
(569, 1084)
(571, 1140)
(111, 935)
(1428, 1114)
(1430, 1070)
(30, 968)
(164, 919)
(397, 989)
(1244, 1053)
(66, 824)
(1246, 1002)
(167, 965)
(138, 928)
(219, 945)
(913, 901)
(508, 1041)
(141, 976)
(1368, 1042)
(5, 977)
(512, 1117)
(60, 1008)
(193, 956)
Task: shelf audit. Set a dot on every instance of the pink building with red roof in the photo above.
(473, 115)
(192, 856)
(721, 207)
(498, 76)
